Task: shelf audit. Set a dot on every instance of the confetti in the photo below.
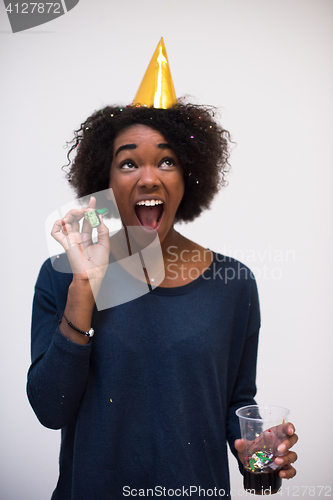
(260, 461)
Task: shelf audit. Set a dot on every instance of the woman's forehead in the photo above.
(137, 134)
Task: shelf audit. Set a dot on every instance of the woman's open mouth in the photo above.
(149, 212)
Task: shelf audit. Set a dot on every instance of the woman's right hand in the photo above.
(88, 260)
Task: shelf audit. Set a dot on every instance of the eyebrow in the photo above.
(126, 146)
(162, 145)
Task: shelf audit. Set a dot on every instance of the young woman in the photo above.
(149, 402)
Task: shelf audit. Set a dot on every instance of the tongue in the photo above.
(149, 216)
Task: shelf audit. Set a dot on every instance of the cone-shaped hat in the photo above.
(156, 89)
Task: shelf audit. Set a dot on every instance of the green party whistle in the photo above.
(92, 216)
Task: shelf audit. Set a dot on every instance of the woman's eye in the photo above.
(167, 162)
(127, 165)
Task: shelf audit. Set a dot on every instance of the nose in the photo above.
(148, 177)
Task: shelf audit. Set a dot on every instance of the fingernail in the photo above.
(282, 474)
(282, 448)
(278, 461)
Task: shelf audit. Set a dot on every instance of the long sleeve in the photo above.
(245, 385)
(59, 371)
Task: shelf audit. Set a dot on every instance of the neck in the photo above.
(172, 242)
(183, 260)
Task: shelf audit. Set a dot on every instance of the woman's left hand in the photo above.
(287, 471)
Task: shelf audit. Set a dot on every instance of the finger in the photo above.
(75, 226)
(65, 227)
(239, 445)
(287, 443)
(71, 238)
(62, 232)
(290, 429)
(75, 215)
(57, 232)
(287, 459)
(288, 472)
(103, 234)
(92, 202)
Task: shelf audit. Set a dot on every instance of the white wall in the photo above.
(268, 65)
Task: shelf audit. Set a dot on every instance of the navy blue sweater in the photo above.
(150, 402)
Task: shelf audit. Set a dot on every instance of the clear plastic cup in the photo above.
(263, 428)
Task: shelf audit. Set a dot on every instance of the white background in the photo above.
(268, 65)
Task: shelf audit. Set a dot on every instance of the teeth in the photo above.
(150, 203)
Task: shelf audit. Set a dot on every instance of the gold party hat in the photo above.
(156, 89)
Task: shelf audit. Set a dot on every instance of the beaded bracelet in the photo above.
(87, 334)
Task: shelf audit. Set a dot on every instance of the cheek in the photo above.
(115, 183)
(180, 187)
